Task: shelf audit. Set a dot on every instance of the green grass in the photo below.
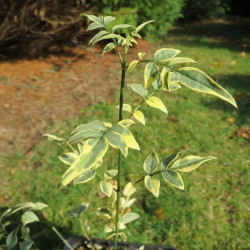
(212, 211)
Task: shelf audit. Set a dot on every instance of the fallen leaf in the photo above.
(101, 195)
(174, 118)
(242, 54)
(230, 119)
(244, 133)
(159, 214)
(217, 64)
(110, 101)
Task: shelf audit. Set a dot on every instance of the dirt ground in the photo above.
(35, 93)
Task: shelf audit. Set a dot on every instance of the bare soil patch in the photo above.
(35, 93)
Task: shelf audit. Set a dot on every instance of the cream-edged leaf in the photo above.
(179, 60)
(125, 107)
(139, 116)
(98, 35)
(141, 26)
(199, 81)
(153, 185)
(151, 163)
(127, 218)
(155, 102)
(151, 72)
(86, 176)
(116, 141)
(108, 48)
(94, 125)
(126, 123)
(68, 158)
(129, 190)
(132, 65)
(190, 163)
(126, 135)
(173, 178)
(94, 151)
(169, 160)
(165, 54)
(139, 89)
(141, 55)
(110, 174)
(106, 188)
(85, 134)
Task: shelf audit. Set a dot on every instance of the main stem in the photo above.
(123, 65)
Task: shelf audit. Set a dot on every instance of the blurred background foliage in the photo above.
(32, 28)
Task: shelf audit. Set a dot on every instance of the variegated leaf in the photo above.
(150, 74)
(173, 178)
(98, 35)
(115, 140)
(110, 174)
(108, 48)
(106, 188)
(86, 176)
(152, 184)
(68, 158)
(85, 134)
(139, 116)
(141, 26)
(197, 80)
(94, 150)
(126, 135)
(155, 102)
(151, 163)
(125, 107)
(132, 65)
(190, 163)
(94, 125)
(129, 190)
(126, 123)
(170, 159)
(127, 218)
(179, 60)
(165, 54)
(139, 89)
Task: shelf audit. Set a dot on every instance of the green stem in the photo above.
(158, 172)
(124, 62)
(61, 237)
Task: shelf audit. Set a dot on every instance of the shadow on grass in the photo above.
(239, 87)
(232, 34)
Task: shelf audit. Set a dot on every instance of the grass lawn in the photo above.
(212, 211)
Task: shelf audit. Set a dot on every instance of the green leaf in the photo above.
(142, 26)
(150, 74)
(86, 176)
(122, 26)
(26, 245)
(94, 150)
(127, 218)
(173, 178)
(94, 125)
(110, 174)
(11, 240)
(157, 83)
(179, 60)
(139, 89)
(167, 162)
(153, 185)
(84, 134)
(68, 158)
(25, 233)
(108, 48)
(164, 77)
(125, 107)
(94, 25)
(199, 81)
(132, 65)
(151, 163)
(116, 141)
(190, 163)
(29, 217)
(155, 102)
(55, 138)
(126, 135)
(106, 188)
(84, 206)
(108, 19)
(129, 190)
(139, 116)
(98, 35)
(165, 54)
(110, 36)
